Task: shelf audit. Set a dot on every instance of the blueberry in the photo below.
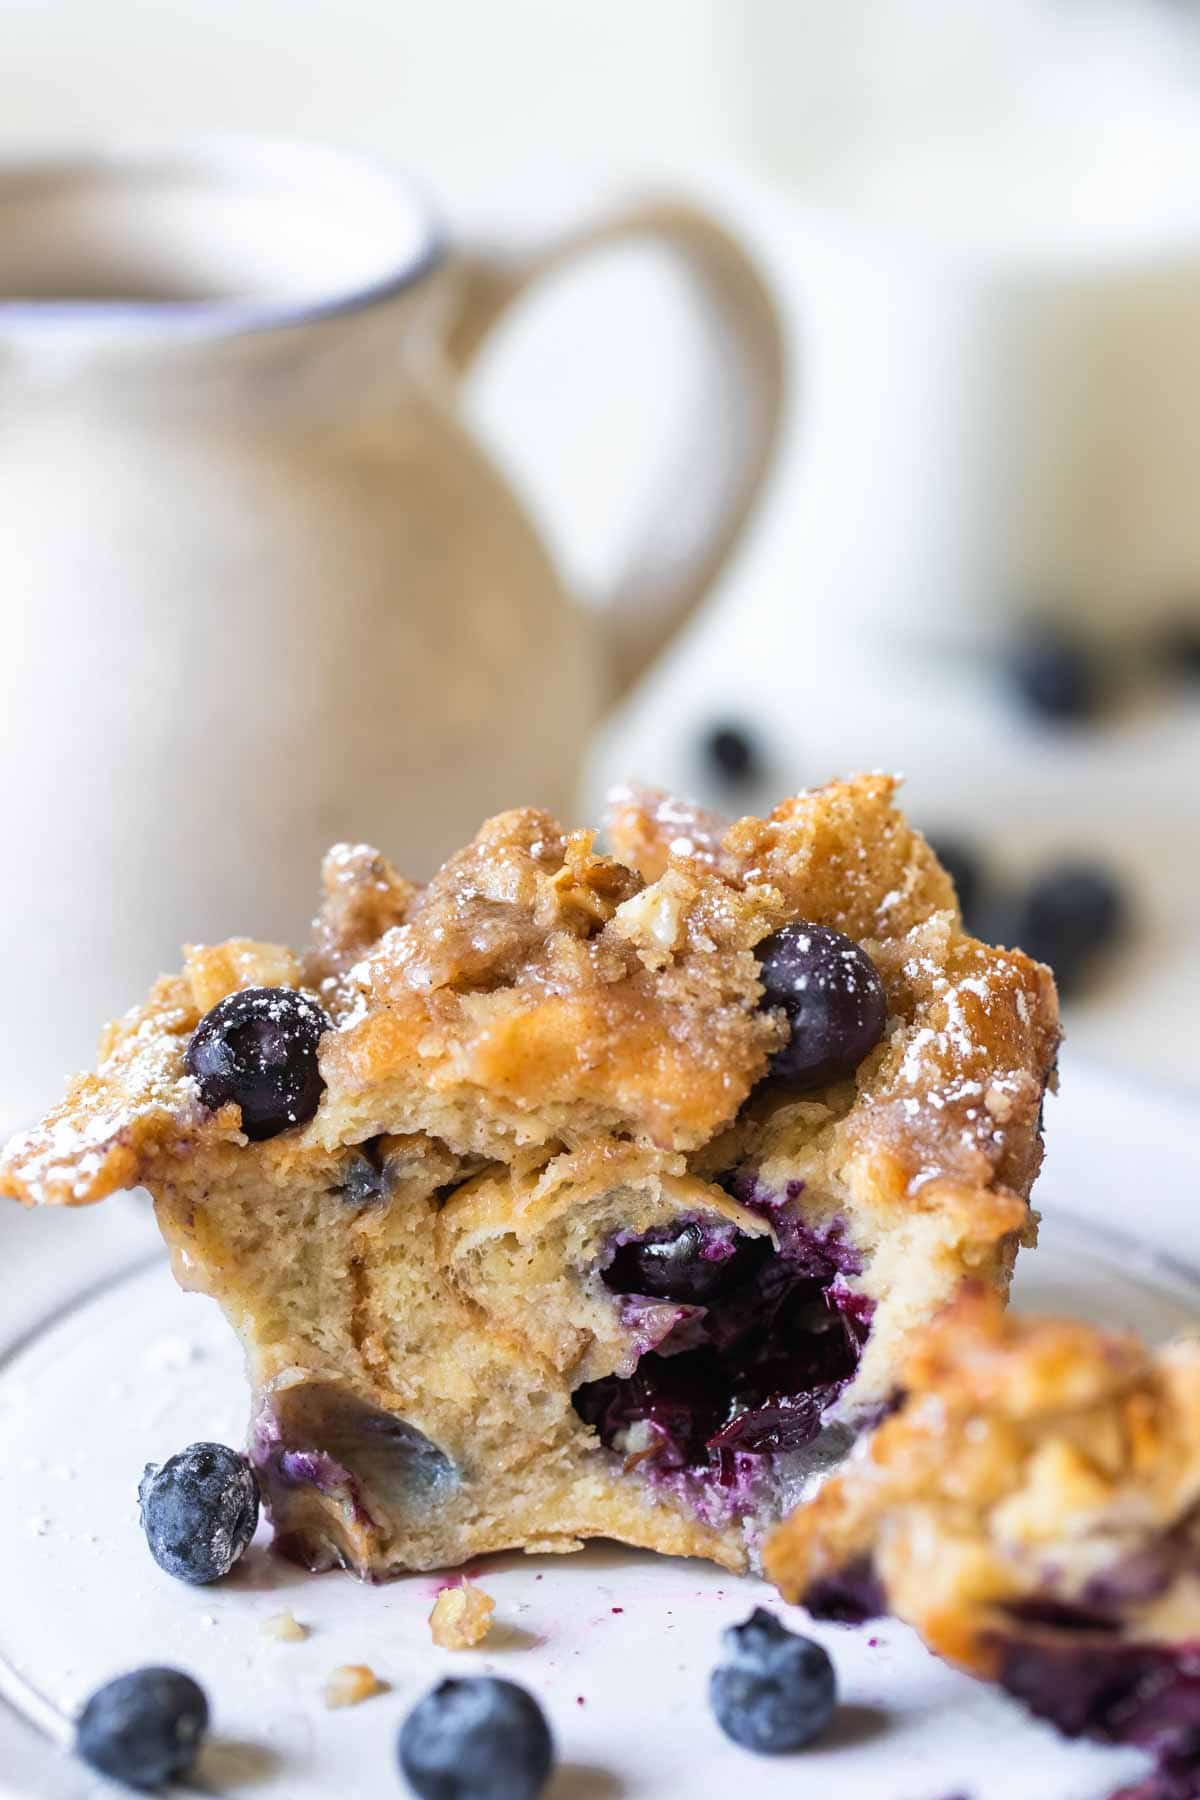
(833, 997)
(144, 1728)
(1076, 903)
(1055, 676)
(199, 1511)
(1066, 916)
(479, 1738)
(258, 1048)
(850, 1595)
(777, 1692)
(733, 754)
(363, 1181)
(961, 862)
(690, 1265)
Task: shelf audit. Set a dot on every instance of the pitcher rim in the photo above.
(220, 316)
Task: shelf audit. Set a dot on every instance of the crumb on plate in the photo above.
(352, 1683)
(461, 1617)
(286, 1627)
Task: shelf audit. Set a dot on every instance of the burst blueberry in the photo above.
(830, 991)
(199, 1511)
(143, 1729)
(756, 1373)
(258, 1049)
(692, 1264)
(363, 1181)
(778, 1690)
(480, 1738)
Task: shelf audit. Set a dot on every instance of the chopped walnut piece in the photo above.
(999, 1104)
(351, 1684)
(461, 1617)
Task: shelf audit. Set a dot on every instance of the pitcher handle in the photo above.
(650, 604)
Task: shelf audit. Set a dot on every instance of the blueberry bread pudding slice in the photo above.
(578, 1194)
(1033, 1510)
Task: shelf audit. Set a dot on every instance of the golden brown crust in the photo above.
(646, 827)
(1033, 1461)
(544, 1046)
(539, 988)
(538, 993)
(362, 897)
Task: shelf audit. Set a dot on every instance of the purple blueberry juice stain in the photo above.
(1069, 1663)
(649, 1322)
(818, 1251)
(318, 1437)
(312, 1468)
(1145, 1573)
(1117, 1692)
(1175, 1778)
(743, 1345)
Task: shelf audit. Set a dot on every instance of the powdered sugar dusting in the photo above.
(356, 865)
(684, 827)
(967, 1059)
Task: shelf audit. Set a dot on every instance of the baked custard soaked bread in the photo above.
(1033, 1509)
(578, 1194)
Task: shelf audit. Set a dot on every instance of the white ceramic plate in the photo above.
(106, 1365)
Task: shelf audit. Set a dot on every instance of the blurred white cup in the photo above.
(1002, 303)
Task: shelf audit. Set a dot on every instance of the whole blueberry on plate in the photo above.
(143, 1729)
(831, 993)
(258, 1048)
(732, 753)
(478, 1738)
(778, 1690)
(199, 1511)
(1055, 676)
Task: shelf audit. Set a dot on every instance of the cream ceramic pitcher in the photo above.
(259, 589)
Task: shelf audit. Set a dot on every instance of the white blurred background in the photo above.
(912, 107)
